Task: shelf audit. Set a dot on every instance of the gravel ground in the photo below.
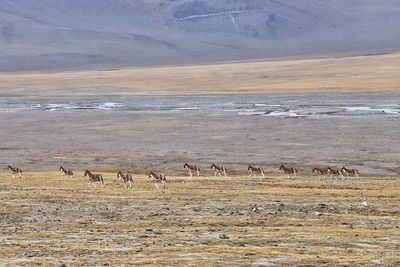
(50, 221)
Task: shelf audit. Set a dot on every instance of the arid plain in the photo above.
(362, 73)
(275, 221)
(303, 112)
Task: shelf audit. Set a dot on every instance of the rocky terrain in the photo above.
(65, 34)
(47, 220)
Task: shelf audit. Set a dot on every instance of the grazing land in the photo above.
(353, 74)
(49, 220)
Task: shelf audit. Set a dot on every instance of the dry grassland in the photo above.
(369, 73)
(48, 220)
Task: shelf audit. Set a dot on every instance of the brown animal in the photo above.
(254, 170)
(218, 169)
(350, 172)
(66, 172)
(94, 178)
(191, 168)
(126, 178)
(14, 171)
(335, 172)
(322, 171)
(158, 178)
(288, 170)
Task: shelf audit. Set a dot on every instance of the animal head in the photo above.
(281, 167)
(186, 165)
(9, 167)
(213, 166)
(119, 173)
(86, 173)
(151, 173)
(249, 168)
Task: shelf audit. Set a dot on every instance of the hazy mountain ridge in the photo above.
(39, 34)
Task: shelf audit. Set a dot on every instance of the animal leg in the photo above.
(156, 185)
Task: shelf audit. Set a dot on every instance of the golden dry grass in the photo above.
(369, 73)
(47, 220)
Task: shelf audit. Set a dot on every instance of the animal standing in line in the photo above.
(14, 171)
(191, 168)
(158, 178)
(218, 170)
(350, 172)
(94, 178)
(126, 178)
(254, 170)
(289, 171)
(335, 172)
(68, 172)
(322, 171)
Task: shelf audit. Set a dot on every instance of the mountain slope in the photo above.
(66, 34)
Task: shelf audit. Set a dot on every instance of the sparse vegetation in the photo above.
(50, 220)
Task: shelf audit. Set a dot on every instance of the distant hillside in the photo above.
(77, 34)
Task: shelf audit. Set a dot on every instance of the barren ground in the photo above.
(48, 220)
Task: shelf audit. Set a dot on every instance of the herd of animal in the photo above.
(159, 178)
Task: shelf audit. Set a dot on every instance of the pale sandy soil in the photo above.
(47, 220)
(370, 73)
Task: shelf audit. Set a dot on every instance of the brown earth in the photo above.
(47, 220)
